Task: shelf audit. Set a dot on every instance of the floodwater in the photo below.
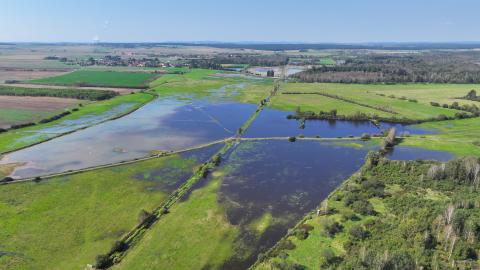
(411, 153)
(274, 123)
(169, 178)
(165, 125)
(282, 179)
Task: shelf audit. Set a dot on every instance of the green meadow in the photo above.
(64, 222)
(459, 137)
(377, 96)
(100, 78)
(200, 83)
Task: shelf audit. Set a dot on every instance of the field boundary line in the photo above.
(124, 162)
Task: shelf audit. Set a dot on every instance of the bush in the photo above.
(103, 262)
(465, 252)
(363, 207)
(303, 231)
(6, 179)
(329, 258)
(365, 137)
(330, 227)
(119, 246)
(435, 104)
(400, 261)
(357, 232)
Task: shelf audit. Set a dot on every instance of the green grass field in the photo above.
(195, 235)
(19, 138)
(200, 83)
(459, 137)
(64, 222)
(100, 78)
(12, 116)
(369, 95)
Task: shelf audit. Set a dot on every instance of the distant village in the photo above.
(113, 60)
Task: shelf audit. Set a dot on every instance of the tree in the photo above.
(472, 95)
(389, 140)
(102, 262)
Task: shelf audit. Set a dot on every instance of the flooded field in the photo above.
(165, 125)
(280, 181)
(274, 123)
(261, 189)
(412, 153)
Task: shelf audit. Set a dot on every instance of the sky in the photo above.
(319, 21)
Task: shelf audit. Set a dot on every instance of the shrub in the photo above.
(330, 227)
(402, 260)
(329, 258)
(303, 231)
(357, 232)
(7, 179)
(465, 252)
(144, 216)
(363, 207)
(435, 104)
(103, 262)
(119, 246)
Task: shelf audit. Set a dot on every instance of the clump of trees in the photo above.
(465, 170)
(472, 95)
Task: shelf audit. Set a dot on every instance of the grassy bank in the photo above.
(459, 137)
(64, 222)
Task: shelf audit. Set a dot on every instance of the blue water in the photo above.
(165, 125)
(274, 123)
(412, 153)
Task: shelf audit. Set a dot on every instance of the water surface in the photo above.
(274, 123)
(282, 179)
(166, 125)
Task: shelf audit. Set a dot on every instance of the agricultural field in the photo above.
(100, 78)
(64, 222)
(16, 110)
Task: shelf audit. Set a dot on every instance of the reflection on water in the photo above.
(412, 153)
(274, 123)
(160, 125)
(284, 180)
(69, 125)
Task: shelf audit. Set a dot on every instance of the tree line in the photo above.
(85, 94)
(434, 67)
